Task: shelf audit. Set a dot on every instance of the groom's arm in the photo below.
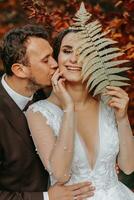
(55, 192)
(21, 195)
(78, 191)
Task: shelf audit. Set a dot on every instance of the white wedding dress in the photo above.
(103, 175)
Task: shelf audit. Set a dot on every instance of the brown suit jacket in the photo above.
(20, 167)
(21, 196)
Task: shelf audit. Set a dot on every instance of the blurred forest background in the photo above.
(115, 15)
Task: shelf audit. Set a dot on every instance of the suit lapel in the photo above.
(15, 116)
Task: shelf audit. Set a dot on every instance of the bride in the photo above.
(79, 138)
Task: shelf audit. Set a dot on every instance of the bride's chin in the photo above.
(73, 82)
(72, 78)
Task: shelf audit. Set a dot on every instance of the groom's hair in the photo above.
(14, 45)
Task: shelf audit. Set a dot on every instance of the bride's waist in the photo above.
(105, 182)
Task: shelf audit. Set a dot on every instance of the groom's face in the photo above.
(41, 64)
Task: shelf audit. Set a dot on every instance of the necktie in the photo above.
(27, 105)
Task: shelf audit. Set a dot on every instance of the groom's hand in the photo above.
(79, 191)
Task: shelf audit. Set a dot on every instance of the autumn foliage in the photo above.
(115, 15)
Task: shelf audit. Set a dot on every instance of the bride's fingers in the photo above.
(57, 72)
(116, 91)
(116, 99)
(58, 85)
(119, 89)
(56, 78)
(117, 105)
(122, 102)
(61, 83)
(116, 94)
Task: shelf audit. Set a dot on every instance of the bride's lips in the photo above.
(73, 68)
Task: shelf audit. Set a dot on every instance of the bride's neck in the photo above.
(78, 93)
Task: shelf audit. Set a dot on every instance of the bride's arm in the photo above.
(55, 152)
(119, 102)
(126, 154)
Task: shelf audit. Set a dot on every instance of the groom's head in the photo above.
(27, 55)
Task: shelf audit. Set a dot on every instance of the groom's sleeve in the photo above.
(21, 195)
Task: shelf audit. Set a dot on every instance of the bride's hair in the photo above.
(58, 40)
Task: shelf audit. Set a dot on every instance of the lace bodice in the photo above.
(103, 175)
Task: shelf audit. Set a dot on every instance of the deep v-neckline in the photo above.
(92, 169)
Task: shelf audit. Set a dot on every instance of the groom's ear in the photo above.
(20, 70)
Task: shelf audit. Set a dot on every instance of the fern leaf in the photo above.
(95, 76)
(117, 77)
(95, 32)
(92, 69)
(104, 33)
(105, 44)
(100, 87)
(85, 53)
(92, 25)
(96, 54)
(97, 81)
(108, 51)
(119, 83)
(115, 63)
(85, 49)
(111, 56)
(92, 29)
(90, 63)
(100, 35)
(116, 70)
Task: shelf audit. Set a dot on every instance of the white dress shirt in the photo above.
(21, 102)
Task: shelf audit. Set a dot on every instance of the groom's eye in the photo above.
(46, 61)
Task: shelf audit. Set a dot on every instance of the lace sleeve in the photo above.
(42, 134)
(53, 135)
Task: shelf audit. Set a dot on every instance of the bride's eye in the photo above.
(67, 51)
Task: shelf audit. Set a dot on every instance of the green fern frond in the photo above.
(115, 63)
(96, 81)
(111, 56)
(96, 74)
(119, 83)
(116, 70)
(92, 69)
(104, 77)
(104, 42)
(117, 77)
(100, 87)
(96, 54)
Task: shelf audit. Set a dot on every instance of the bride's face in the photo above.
(67, 59)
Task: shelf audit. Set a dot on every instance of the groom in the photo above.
(29, 66)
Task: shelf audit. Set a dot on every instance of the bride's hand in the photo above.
(119, 101)
(58, 83)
